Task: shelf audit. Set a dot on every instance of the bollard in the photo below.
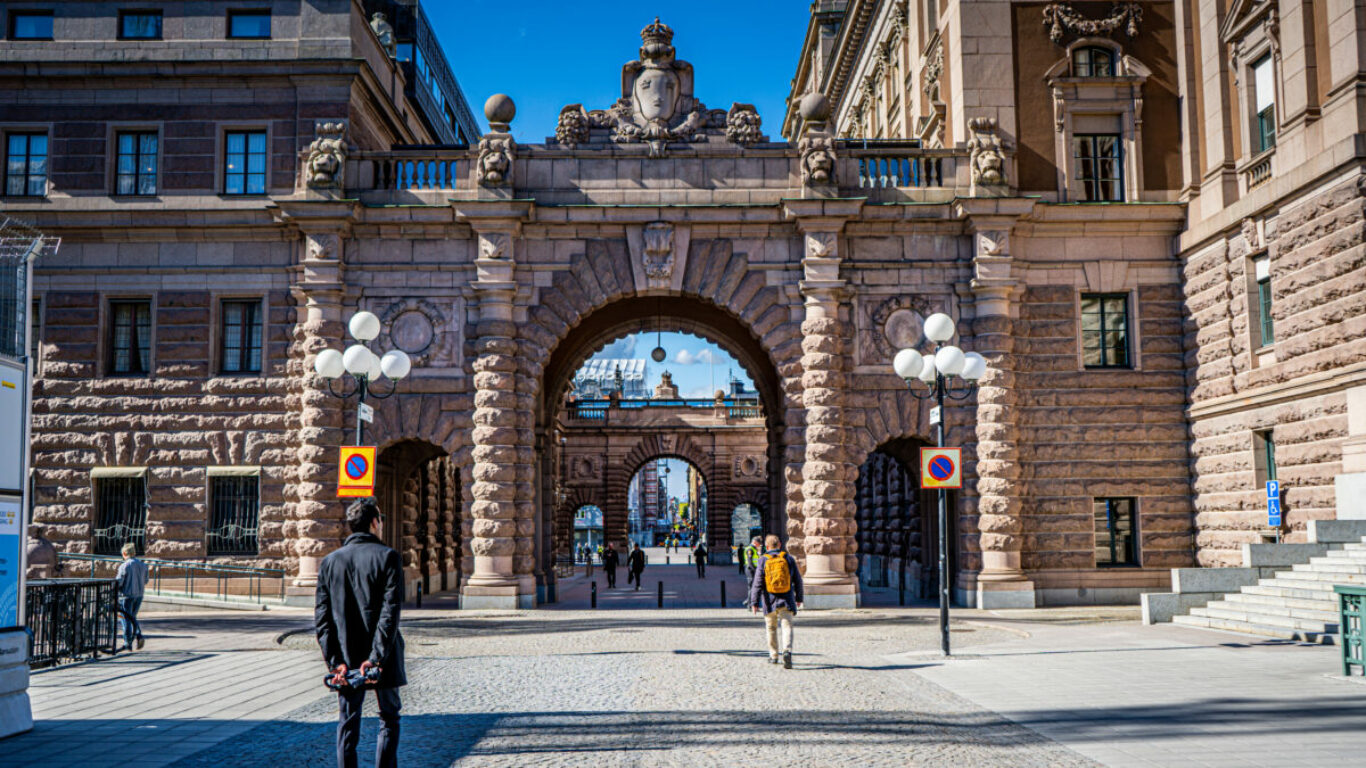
(723, 594)
(666, 559)
(594, 595)
(661, 594)
(419, 594)
(901, 587)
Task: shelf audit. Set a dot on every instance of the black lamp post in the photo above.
(948, 372)
(366, 368)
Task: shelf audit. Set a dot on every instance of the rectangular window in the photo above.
(121, 514)
(249, 25)
(1116, 539)
(137, 164)
(1105, 330)
(130, 338)
(1099, 169)
(1264, 457)
(1264, 84)
(241, 337)
(234, 515)
(244, 163)
(139, 25)
(26, 164)
(1266, 325)
(30, 25)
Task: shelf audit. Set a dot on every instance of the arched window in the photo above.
(1093, 61)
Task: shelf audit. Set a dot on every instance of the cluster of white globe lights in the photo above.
(947, 360)
(358, 360)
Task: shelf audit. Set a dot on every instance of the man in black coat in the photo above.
(636, 565)
(360, 592)
(610, 561)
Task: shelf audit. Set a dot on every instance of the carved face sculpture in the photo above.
(656, 94)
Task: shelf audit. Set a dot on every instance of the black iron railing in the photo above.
(181, 578)
(71, 619)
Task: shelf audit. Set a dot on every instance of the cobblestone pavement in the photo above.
(665, 688)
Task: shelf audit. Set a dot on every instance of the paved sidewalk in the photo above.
(198, 682)
(1128, 695)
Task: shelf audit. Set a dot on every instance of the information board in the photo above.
(12, 451)
(11, 560)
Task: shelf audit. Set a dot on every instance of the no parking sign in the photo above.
(941, 467)
(356, 471)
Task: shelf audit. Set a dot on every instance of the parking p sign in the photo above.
(1273, 503)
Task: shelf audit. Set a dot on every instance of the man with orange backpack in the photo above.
(777, 586)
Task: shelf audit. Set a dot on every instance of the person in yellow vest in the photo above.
(777, 586)
(751, 556)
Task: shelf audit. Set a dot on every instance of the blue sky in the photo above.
(548, 54)
(699, 367)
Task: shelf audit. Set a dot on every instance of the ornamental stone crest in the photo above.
(323, 246)
(658, 254)
(495, 160)
(1061, 18)
(985, 153)
(657, 106)
(423, 330)
(493, 245)
(747, 468)
(327, 155)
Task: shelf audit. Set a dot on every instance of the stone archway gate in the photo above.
(603, 448)
(829, 254)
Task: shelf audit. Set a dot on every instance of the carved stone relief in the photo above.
(326, 160)
(495, 160)
(748, 468)
(658, 254)
(1061, 18)
(742, 125)
(425, 331)
(323, 245)
(493, 245)
(896, 323)
(986, 153)
(818, 159)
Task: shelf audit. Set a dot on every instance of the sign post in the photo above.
(356, 471)
(1273, 506)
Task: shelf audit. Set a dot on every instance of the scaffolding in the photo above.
(20, 245)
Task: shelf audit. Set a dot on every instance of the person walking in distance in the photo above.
(699, 555)
(360, 593)
(751, 556)
(777, 587)
(610, 561)
(635, 565)
(132, 582)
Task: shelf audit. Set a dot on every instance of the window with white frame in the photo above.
(1264, 100)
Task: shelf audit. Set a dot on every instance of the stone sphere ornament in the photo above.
(364, 326)
(939, 327)
(814, 106)
(974, 367)
(395, 364)
(658, 354)
(949, 360)
(908, 364)
(500, 108)
(329, 364)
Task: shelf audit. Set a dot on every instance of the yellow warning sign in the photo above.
(356, 471)
(941, 467)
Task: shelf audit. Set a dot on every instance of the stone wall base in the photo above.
(16, 715)
(1005, 594)
(824, 602)
(507, 602)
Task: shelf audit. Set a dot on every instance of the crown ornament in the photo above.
(657, 42)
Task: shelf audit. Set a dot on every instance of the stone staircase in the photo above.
(1295, 604)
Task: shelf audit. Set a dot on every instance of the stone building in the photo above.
(1247, 115)
(1108, 442)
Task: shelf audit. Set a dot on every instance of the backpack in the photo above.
(777, 576)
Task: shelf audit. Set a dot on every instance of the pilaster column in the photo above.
(314, 525)
(1001, 583)
(496, 474)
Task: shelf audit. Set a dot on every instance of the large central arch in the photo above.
(614, 320)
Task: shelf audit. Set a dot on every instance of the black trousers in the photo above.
(633, 575)
(611, 576)
(701, 568)
(349, 702)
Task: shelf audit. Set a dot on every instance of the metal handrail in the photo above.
(159, 582)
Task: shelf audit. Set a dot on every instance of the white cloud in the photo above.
(621, 349)
(702, 357)
(699, 393)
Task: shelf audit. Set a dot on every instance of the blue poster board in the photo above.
(11, 526)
